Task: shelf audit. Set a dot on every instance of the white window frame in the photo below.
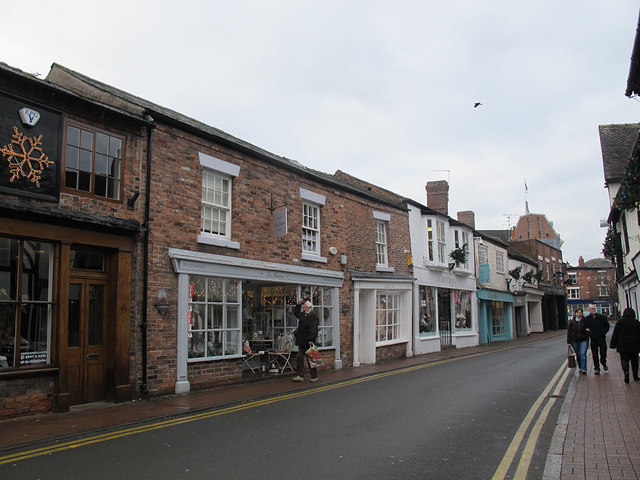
(224, 171)
(312, 204)
(436, 241)
(483, 254)
(500, 261)
(603, 290)
(461, 240)
(573, 293)
(382, 220)
(388, 320)
(573, 278)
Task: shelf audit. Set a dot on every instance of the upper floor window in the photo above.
(461, 240)
(93, 162)
(499, 261)
(603, 290)
(436, 241)
(381, 243)
(573, 293)
(483, 254)
(573, 279)
(216, 204)
(216, 212)
(311, 226)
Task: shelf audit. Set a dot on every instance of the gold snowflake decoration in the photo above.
(25, 156)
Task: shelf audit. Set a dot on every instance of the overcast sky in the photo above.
(379, 89)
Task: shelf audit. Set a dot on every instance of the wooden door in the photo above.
(86, 340)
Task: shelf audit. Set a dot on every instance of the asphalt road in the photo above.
(451, 420)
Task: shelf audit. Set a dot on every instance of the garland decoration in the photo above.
(628, 196)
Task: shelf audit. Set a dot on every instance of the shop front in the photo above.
(237, 314)
(495, 315)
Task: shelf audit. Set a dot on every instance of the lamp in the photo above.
(162, 304)
(346, 307)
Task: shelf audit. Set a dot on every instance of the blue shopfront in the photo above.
(495, 315)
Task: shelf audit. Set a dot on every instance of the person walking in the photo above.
(305, 334)
(597, 325)
(578, 338)
(626, 339)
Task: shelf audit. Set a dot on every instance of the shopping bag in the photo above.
(315, 358)
(571, 359)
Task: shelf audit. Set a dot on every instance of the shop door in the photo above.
(86, 349)
(444, 317)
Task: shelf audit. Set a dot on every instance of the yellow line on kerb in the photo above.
(527, 453)
(16, 457)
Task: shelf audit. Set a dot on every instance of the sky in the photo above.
(382, 90)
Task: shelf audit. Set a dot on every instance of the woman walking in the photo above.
(626, 339)
(578, 338)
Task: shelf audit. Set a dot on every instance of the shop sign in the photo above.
(30, 146)
(27, 358)
(280, 223)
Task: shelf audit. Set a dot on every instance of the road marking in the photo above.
(514, 446)
(38, 452)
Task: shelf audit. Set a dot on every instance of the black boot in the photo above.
(626, 377)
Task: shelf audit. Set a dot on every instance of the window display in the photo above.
(427, 311)
(497, 318)
(387, 317)
(462, 306)
(26, 271)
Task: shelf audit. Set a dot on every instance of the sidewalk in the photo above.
(597, 435)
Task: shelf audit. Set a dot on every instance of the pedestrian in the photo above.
(305, 334)
(626, 339)
(597, 325)
(578, 338)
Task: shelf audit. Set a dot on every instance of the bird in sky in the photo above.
(476, 105)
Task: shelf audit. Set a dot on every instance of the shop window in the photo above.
(93, 162)
(26, 273)
(427, 311)
(214, 317)
(321, 297)
(387, 317)
(462, 309)
(497, 318)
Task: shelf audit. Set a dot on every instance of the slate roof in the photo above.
(616, 143)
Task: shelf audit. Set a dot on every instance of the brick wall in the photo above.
(391, 352)
(26, 396)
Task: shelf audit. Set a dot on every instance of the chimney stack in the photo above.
(438, 196)
(468, 218)
(580, 261)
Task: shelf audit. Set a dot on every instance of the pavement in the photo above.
(597, 435)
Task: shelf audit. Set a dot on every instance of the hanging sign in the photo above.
(280, 222)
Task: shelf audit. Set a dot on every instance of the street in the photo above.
(452, 419)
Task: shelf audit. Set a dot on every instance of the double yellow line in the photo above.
(19, 456)
(534, 434)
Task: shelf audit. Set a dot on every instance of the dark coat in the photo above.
(307, 330)
(626, 335)
(576, 331)
(598, 327)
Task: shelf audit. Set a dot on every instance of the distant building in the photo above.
(591, 282)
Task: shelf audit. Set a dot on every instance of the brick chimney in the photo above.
(438, 196)
(468, 218)
(580, 261)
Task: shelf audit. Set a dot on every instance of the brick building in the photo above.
(591, 282)
(71, 173)
(237, 235)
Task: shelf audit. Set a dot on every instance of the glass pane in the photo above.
(232, 317)
(101, 164)
(115, 147)
(196, 345)
(215, 290)
(85, 161)
(197, 287)
(71, 179)
(232, 343)
(427, 310)
(73, 337)
(86, 140)
(101, 186)
(96, 314)
(9, 249)
(72, 159)
(34, 341)
(114, 167)
(214, 344)
(102, 143)
(7, 335)
(113, 188)
(84, 181)
(214, 320)
(197, 316)
(36, 271)
(232, 291)
(86, 259)
(462, 306)
(73, 135)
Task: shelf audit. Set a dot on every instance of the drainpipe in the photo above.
(145, 266)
